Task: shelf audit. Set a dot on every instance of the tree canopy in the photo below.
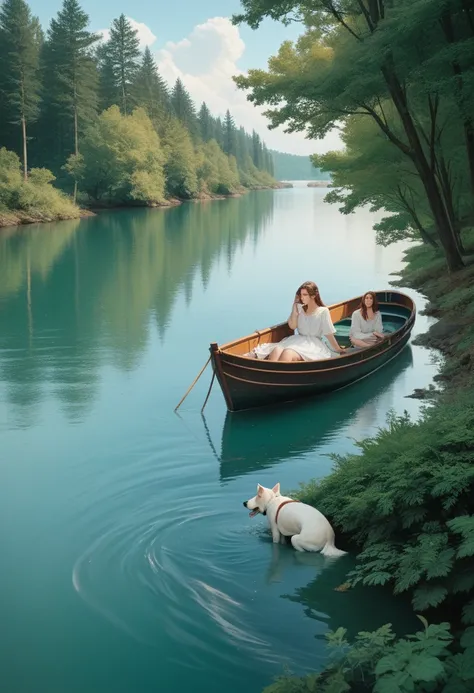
(406, 66)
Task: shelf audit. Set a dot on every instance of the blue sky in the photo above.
(173, 25)
(194, 40)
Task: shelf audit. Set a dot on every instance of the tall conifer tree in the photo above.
(230, 135)
(20, 40)
(71, 83)
(121, 54)
(206, 129)
(183, 108)
(150, 89)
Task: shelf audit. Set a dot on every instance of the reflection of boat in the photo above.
(259, 439)
(247, 383)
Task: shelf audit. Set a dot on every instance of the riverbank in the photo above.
(404, 506)
(20, 217)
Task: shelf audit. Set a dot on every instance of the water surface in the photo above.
(128, 561)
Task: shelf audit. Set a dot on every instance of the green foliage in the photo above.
(20, 41)
(217, 174)
(381, 663)
(121, 159)
(120, 57)
(371, 171)
(396, 78)
(183, 108)
(181, 162)
(33, 199)
(151, 92)
(71, 75)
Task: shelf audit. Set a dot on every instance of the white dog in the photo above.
(308, 528)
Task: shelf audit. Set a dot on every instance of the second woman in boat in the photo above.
(313, 320)
(366, 326)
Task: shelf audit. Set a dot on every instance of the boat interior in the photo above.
(394, 316)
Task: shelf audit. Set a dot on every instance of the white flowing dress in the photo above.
(307, 343)
(364, 329)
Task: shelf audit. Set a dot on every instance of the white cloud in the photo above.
(206, 61)
(145, 34)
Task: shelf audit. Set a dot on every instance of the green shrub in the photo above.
(36, 198)
(379, 662)
(399, 501)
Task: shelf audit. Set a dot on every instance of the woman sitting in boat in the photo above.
(313, 320)
(366, 326)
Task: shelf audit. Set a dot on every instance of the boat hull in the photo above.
(249, 383)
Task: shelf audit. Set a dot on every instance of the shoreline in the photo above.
(9, 219)
(410, 485)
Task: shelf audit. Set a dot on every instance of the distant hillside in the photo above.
(294, 167)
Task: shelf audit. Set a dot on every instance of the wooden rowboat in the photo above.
(247, 383)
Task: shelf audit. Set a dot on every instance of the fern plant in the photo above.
(381, 663)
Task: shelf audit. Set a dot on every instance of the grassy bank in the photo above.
(404, 505)
(32, 200)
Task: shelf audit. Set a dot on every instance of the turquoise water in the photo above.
(128, 561)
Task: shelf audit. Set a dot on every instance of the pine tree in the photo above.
(108, 90)
(70, 82)
(20, 41)
(183, 108)
(267, 159)
(218, 132)
(150, 89)
(257, 152)
(206, 129)
(242, 146)
(121, 57)
(229, 135)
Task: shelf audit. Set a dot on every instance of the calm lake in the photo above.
(128, 562)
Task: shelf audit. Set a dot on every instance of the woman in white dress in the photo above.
(366, 325)
(313, 320)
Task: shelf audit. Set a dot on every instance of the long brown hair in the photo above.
(313, 291)
(375, 304)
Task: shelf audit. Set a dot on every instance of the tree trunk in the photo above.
(25, 149)
(448, 199)
(76, 147)
(426, 238)
(23, 129)
(427, 176)
(448, 30)
(468, 5)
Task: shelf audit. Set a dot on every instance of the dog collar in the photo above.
(281, 506)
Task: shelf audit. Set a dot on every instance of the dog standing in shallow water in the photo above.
(308, 528)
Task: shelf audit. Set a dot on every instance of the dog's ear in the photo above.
(276, 489)
(259, 490)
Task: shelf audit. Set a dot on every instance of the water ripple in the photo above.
(183, 563)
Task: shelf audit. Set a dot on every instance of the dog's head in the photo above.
(259, 503)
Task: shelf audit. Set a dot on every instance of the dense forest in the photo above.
(97, 118)
(396, 78)
(295, 167)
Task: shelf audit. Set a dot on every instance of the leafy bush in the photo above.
(406, 504)
(121, 159)
(379, 662)
(36, 198)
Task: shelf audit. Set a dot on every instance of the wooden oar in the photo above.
(193, 384)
